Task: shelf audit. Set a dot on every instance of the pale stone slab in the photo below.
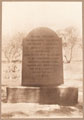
(23, 94)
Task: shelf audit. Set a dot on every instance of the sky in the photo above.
(24, 16)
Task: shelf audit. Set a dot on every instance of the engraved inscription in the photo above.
(42, 58)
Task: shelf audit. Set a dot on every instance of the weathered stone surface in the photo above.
(43, 95)
(59, 95)
(23, 94)
(42, 58)
(49, 95)
(68, 96)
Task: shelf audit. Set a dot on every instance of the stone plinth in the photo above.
(23, 94)
(43, 95)
(59, 95)
(49, 95)
(68, 96)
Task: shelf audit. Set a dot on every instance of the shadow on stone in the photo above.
(63, 96)
(49, 95)
(68, 96)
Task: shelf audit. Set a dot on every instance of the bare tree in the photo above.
(70, 38)
(13, 49)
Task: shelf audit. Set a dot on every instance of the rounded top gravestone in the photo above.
(42, 58)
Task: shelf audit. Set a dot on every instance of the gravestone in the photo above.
(42, 72)
(42, 58)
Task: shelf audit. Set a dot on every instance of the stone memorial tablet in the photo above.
(42, 63)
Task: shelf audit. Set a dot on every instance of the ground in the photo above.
(73, 76)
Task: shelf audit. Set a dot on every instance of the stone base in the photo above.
(61, 96)
(43, 95)
(23, 94)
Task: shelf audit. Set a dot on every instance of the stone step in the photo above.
(43, 95)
